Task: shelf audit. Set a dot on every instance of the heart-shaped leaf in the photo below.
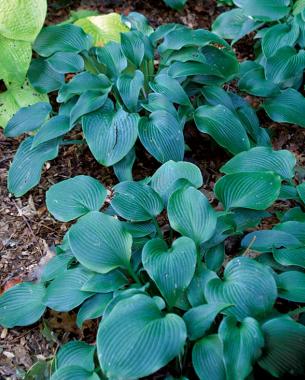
(284, 351)
(25, 170)
(242, 343)
(190, 213)
(74, 197)
(172, 269)
(207, 357)
(136, 339)
(281, 162)
(246, 284)
(22, 304)
(165, 179)
(136, 201)
(110, 136)
(64, 292)
(100, 243)
(256, 190)
(224, 127)
(161, 134)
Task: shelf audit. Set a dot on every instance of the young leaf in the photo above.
(22, 304)
(207, 357)
(256, 190)
(76, 353)
(165, 179)
(224, 127)
(129, 87)
(27, 119)
(284, 351)
(63, 38)
(199, 319)
(74, 197)
(136, 339)
(161, 134)
(112, 57)
(100, 243)
(25, 170)
(110, 136)
(172, 269)
(262, 159)
(136, 201)
(248, 285)
(190, 214)
(64, 292)
(133, 47)
(242, 343)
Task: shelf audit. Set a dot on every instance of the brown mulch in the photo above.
(28, 233)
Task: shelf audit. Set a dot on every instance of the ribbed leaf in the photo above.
(223, 126)
(66, 62)
(262, 159)
(100, 243)
(161, 134)
(287, 107)
(89, 101)
(22, 20)
(22, 305)
(110, 136)
(234, 24)
(278, 36)
(25, 170)
(83, 82)
(190, 214)
(55, 266)
(242, 343)
(246, 284)
(74, 372)
(105, 283)
(284, 351)
(186, 69)
(166, 179)
(133, 47)
(136, 201)
(56, 127)
(129, 87)
(136, 339)
(112, 57)
(171, 88)
(301, 191)
(172, 269)
(264, 10)
(208, 359)
(64, 292)
(290, 256)
(256, 191)
(63, 38)
(43, 78)
(74, 197)
(93, 308)
(267, 240)
(199, 319)
(253, 80)
(76, 353)
(291, 286)
(195, 292)
(27, 119)
(295, 228)
(123, 168)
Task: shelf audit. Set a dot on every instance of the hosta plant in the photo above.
(144, 88)
(20, 23)
(150, 259)
(277, 72)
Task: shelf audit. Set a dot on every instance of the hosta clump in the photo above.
(146, 87)
(164, 290)
(277, 72)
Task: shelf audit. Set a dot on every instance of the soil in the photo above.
(28, 233)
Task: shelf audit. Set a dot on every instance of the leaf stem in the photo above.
(159, 232)
(133, 274)
(297, 311)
